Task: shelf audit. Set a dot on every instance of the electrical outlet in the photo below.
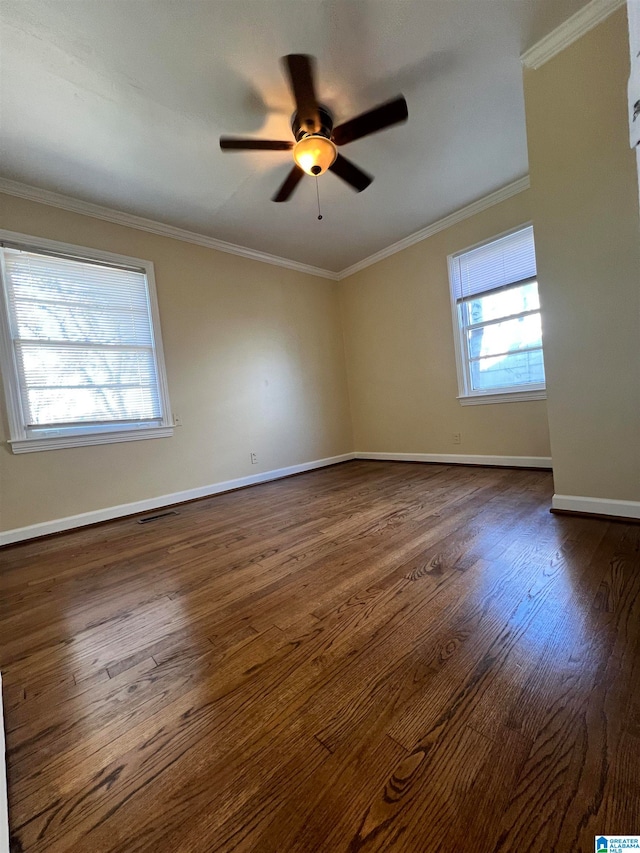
(254, 459)
(457, 438)
(177, 420)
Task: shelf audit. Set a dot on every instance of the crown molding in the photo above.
(97, 211)
(457, 216)
(571, 30)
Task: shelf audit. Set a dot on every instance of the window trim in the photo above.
(466, 395)
(20, 441)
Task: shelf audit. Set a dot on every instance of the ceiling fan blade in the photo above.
(393, 112)
(300, 70)
(350, 173)
(289, 185)
(236, 143)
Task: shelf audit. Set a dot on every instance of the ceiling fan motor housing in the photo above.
(326, 125)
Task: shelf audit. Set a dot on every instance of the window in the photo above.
(81, 351)
(496, 311)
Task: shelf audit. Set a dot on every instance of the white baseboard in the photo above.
(45, 528)
(4, 809)
(58, 525)
(596, 506)
(462, 459)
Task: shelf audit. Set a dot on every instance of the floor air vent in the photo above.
(149, 518)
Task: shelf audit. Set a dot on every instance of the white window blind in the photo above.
(502, 262)
(496, 309)
(83, 344)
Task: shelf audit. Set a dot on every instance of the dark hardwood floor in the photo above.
(370, 657)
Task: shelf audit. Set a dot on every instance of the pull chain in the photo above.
(318, 198)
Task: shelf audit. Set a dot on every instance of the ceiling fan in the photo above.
(316, 140)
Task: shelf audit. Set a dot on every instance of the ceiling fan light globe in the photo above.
(315, 154)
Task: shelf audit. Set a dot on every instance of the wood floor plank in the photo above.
(366, 658)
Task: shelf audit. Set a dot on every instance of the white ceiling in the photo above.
(121, 103)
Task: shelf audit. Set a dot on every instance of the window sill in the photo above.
(29, 445)
(503, 397)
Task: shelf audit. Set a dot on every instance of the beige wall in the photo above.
(401, 359)
(255, 362)
(585, 209)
